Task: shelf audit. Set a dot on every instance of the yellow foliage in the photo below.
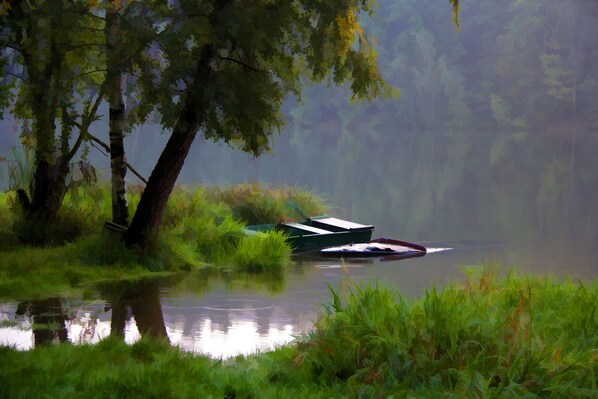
(347, 26)
(4, 7)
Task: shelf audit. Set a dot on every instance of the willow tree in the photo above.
(225, 68)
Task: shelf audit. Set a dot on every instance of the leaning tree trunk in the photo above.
(153, 201)
(120, 211)
(161, 182)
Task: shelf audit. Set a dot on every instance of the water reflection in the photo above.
(224, 314)
(173, 309)
(47, 320)
(139, 300)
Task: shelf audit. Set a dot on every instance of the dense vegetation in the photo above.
(202, 227)
(514, 336)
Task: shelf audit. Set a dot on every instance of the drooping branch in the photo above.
(107, 148)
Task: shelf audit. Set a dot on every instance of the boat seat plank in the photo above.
(340, 223)
(306, 228)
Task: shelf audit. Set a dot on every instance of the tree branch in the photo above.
(83, 127)
(87, 118)
(78, 46)
(89, 73)
(241, 63)
(95, 16)
(106, 147)
(16, 76)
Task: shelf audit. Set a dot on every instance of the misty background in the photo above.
(494, 135)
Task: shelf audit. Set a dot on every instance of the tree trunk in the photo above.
(50, 171)
(49, 320)
(49, 180)
(147, 311)
(120, 211)
(160, 184)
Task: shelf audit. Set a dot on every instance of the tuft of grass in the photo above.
(263, 253)
(17, 171)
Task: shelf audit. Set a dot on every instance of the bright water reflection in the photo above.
(219, 330)
(223, 316)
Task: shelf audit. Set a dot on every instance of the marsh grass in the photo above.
(256, 203)
(518, 336)
(17, 170)
(491, 337)
(263, 253)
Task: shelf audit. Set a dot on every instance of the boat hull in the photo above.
(318, 232)
(382, 247)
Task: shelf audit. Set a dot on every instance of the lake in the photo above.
(223, 314)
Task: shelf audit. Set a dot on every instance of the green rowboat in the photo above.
(318, 232)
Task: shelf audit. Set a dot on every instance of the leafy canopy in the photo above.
(265, 50)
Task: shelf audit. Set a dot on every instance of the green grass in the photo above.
(146, 369)
(44, 272)
(519, 336)
(515, 336)
(255, 203)
(200, 228)
(263, 253)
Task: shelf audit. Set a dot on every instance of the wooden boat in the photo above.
(318, 232)
(381, 247)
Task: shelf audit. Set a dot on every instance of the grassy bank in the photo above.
(202, 226)
(515, 336)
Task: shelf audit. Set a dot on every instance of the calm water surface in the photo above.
(223, 315)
